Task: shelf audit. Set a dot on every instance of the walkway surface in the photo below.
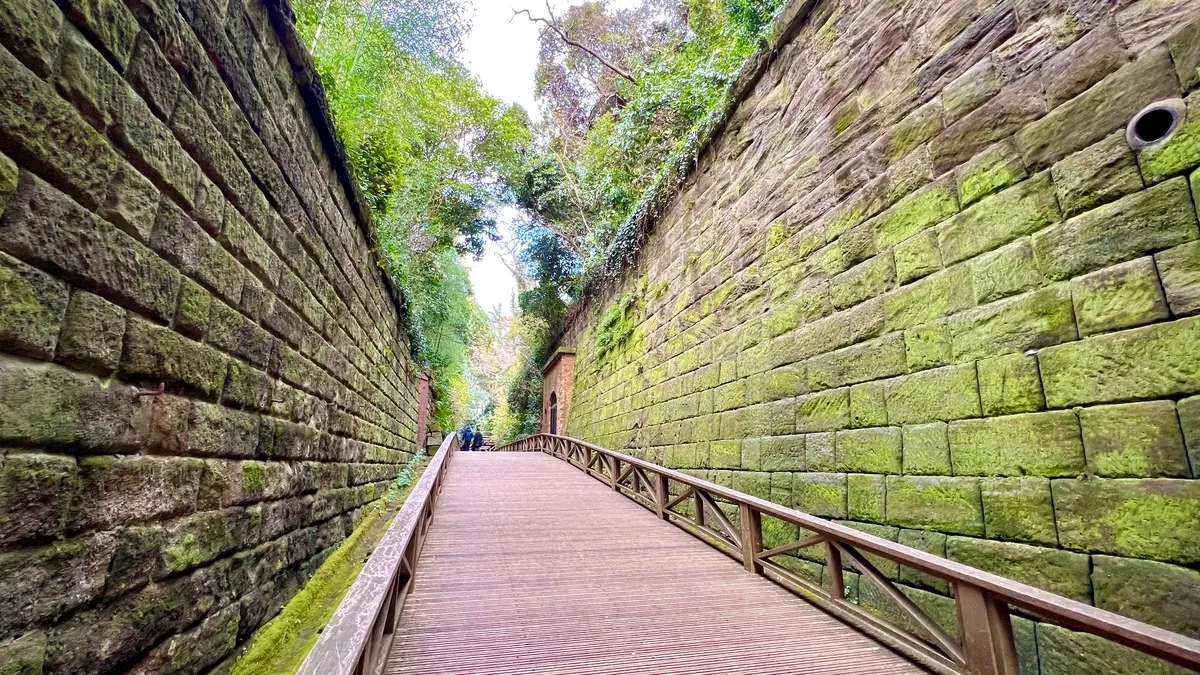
(532, 567)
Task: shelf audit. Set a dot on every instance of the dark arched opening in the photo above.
(553, 412)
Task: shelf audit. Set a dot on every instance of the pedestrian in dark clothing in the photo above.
(465, 439)
(477, 441)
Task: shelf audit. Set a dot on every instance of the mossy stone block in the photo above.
(865, 280)
(1038, 444)
(918, 211)
(918, 256)
(725, 454)
(865, 497)
(687, 456)
(1149, 362)
(870, 360)
(1189, 419)
(918, 126)
(889, 568)
(1185, 52)
(1179, 270)
(1006, 271)
(929, 542)
(30, 30)
(1156, 593)
(1152, 518)
(1096, 175)
(32, 306)
(874, 450)
(782, 453)
(1121, 296)
(1054, 570)
(931, 298)
(867, 408)
(127, 490)
(1020, 210)
(927, 346)
(943, 504)
(926, 449)
(1143, 222)
(1010, 384)
(199, 538)
(191, 314)
(818, 452)
(785, 382)
(37, 496)
(1084, 63)
(1179, 153)
(820, 494)
(1134, 440)
(940, 394)
(938, 607)
(92, 333)
(965, 92)
(1019, 509)
(1065, 652)
(24, 655)
(753, 483)
(824, 411)
(46, 583)
(1034, 320)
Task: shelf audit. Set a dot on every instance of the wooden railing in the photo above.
(357, 639)
(983, 600)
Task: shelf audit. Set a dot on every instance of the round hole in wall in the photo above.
(1155, 123)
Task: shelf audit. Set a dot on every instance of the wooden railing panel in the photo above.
(983, 599)
(358, 637)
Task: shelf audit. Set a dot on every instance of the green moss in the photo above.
(279, 647)
(253, 477)
(776, 235)
(845, 119)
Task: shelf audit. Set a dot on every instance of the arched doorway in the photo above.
(553, 412)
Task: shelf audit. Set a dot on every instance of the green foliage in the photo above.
(433, 155)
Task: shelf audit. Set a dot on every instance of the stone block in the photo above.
(820, 494)
(931, 298)
(92, 333)
(926, 449)
(1098, 174)
(24, 655)
(1089, 60)
(32, 305)
(37, 496)
(967, 91)
(231, 332)
(1134, 440)
(153, 78)
(1065, 652)
(1149, 362)
(990, 171)
(118, 491)
(782, 453)
(217, 431)
(157, 353)
(753, 483)
(725, 454)
(937, 607)
(870, 360)
(1156, 593)
(1018, 104)
(40, 585)
(1006, 271)
(824, 411)
(44, 132)
(867, 407)
(917, 256)
(1179, 270)
(785, 382)
(196, 649)
(1061, 572)
(940, 394)
(1010, 384)
(994, 221)
(1019, 509)
(44, 227)
(1092, 115)
(30, 29)
(944, 504)
(927, 346)
(1177, 154)
(1189, 418)
(875, 450)
(1121, 296)
(1038, 444)
(195, 305)
(918, 126)
(249, 248)
(1185, 52)
(929, 542)
(109, 23)
(918, 211)
(1034, 320)
(180, 240)
(865, 497)
(1153, 518)
(1147, 221)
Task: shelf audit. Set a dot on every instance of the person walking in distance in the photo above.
(465, 438)
(477, 441)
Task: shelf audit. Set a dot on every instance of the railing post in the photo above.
(698, 507)
(834, 580)
(987, 635)
(662, 496)
(751, 538)
(614, 467)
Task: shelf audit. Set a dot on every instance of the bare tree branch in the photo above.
(552, 24)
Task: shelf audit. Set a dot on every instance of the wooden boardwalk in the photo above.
(532, 567)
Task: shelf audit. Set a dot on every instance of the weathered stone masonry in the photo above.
(919, 283)
(175, 214)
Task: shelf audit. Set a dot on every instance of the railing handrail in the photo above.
(359, 633)
(1143, 637)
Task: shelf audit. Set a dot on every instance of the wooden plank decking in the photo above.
(532, 567)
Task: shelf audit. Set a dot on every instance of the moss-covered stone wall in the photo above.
(919, 283)
(202, 372)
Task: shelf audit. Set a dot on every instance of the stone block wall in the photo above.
(919, 283)
(203, 374)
